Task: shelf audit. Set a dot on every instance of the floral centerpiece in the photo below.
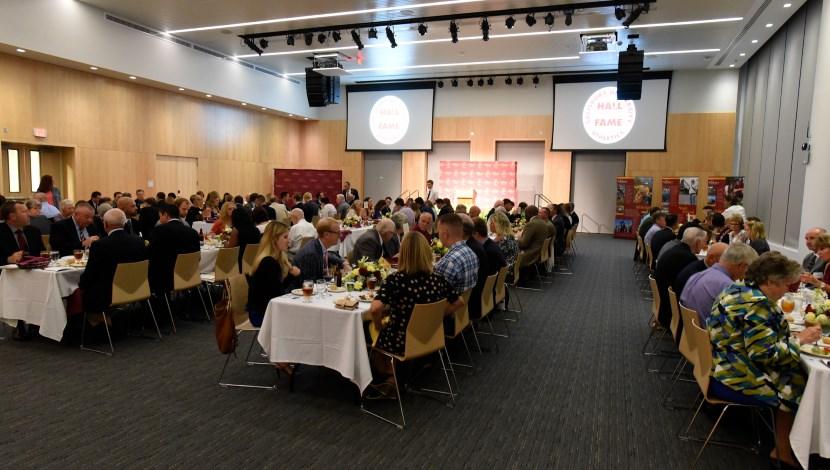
(438, 248)
(351, 221)
(364, 269)
(519, 224)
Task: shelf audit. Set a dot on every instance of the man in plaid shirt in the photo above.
(460, 265)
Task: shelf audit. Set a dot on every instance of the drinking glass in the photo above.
(78, 254)
(349, 286)
(787, 303)
(308, 290)
(321, 287)
(45, 254)
(372, 282)
(56, 256)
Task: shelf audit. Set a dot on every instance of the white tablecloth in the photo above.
(811, 430)
(318, 334)
(207, 263)
(36, 297)
(347, 245)
(204, 226)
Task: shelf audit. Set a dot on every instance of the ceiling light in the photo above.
(454, 32)
(480, 82)
(132, 77)
(22, 51)
(356, 39)
(290, 115)
(569, 17)
(508, 81)
(742, 54)
(422, 29)
(453, 64)
(470, 82)
(535, 80)
(290, 40)
(754, 41)
(454, 83)
(768, 25)
(373, 33)
(490, 81)
(632, 17)
(440, 84)
(549, 19)
(787, 5)
(309, 38)
(208, 96)
(520, 81)
(530, 19)
(688, 23)
(181, 89)
(244, 104)
(263, 43)
(485, 30)
(682, 51)
(321, 38)
(510, 22)
(336, 36)
(619, 13)
(264, 109)
(390, 35)
(731, 65)
(305, 119)
(93, 68)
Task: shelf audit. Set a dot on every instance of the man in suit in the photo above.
(347, 188)
(494, 255)
(95, 199)
(370, 244)
(533, 236)
(75, 233)
(314, 259)
(310, 208)
(483, 265)
(128, 206)
(118, 246)
(663, 236)
(17, 237)
(170, 239)
(342, 206)
(194, 212)
(672, 263)
(812, 263)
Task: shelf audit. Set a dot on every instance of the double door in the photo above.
(23, 165)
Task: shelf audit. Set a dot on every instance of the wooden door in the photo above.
(23, 165)
(177, 175)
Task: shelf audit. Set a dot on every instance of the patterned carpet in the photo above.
(568, 390)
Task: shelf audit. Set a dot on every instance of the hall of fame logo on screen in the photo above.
(389, 120)
(606, 119)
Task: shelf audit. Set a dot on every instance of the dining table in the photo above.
(348, 238)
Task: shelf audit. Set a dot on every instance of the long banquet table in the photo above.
(319, 334)
(36, 297)
(811, 429)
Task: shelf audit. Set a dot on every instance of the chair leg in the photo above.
(709, 436)
(153, 316)
(204, 305)
(452, 369)
(400, 403)
(210, 298)
(109, 338)
(170, 311)
(475, 337)
(248, 354)
(228, 384)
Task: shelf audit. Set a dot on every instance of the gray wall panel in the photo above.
(753, 174)
(766, 176)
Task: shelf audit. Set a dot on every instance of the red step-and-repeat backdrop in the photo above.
(487, 181)
(313, 181)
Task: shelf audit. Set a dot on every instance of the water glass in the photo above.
(321, 287)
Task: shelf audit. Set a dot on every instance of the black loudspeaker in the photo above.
(630, 74)
(321, 90)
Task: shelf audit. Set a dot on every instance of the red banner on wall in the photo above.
(723, 188)
(313, 181)
(679, 197)
(484, 181)
(634, 195)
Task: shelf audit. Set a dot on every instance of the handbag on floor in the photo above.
(225, 328)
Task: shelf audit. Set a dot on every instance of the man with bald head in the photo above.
(704, 287)
(300, 229)
(75, 233)
(118, 246)
(812, 263)
(128, 207)
(370, 243)
(712, 256)
(424, 226)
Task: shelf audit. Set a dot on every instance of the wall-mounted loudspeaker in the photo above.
(321, 90)
(630, 74)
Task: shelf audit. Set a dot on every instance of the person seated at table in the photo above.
(225, 218)
(67, 208)
(17, 237)
(327, 209)
(36, 219)
(500, 226)
(674, 261)
(393, 245)
(663, 236)
(75, 233)
(194, 212)
(735, 230)
(380, 210)
(703, 288)
(260, 217)
(414, 283)
(118, 246)
(757, 236)
(128, 206)
(484, 268)
(713, 255)
(474, 212)
(310, 207)
(424, 226)
(184, 209)
(659, 223)
(369, 203)
(534, 234)
(148, 217)
(300, 229)
(98, 219)
(818, 279)
(314, 259)
(718, 225)
(170, 239)
(244, 232)
(370, 243)
(756, 360)
(272, 272)
(812, 263)
(357, 211)
(460, 265)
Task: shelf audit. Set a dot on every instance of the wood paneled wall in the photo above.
(697, 145)
(116, 129)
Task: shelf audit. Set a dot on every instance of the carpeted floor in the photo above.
(568, 390)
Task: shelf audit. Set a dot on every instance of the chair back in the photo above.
(227, 264)
(699, 339)
(462, 315)
(248, 258)
(130, 283)
(45, 240)
(544, 255)
(675, 313)
(314, 220)
(425, 332)
(238, 291)
(186, 273)
(569, 238)
(487, 295)
(305, 240)
(655, 295)
(687, 316)
(500, 284)
(649, 256)
(517, 268)
(640, 248)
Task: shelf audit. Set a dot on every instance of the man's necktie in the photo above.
(21, 241)
(325, 260)
(81, 236)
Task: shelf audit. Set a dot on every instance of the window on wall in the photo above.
(34, 164)
(14, 171)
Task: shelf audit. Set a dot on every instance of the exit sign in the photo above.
(39, 132)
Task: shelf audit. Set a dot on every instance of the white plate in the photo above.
(299, 292)
(808, 349)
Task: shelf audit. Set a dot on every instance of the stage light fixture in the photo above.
(454, 32)
(422, 29)
(480, 82)
(508, 81)
(490, 81)
(373, 33)
(390, 35)
(530, 19)
(356, 39)
(535, 79)
(470, 82)
(520, 81)
(632, 17)
(336, 36)
(289, 40)
(440, 84)
(252, 45)
(321, 38)
(454, 83)
(510, 22)
(309, 38)
(263, 43)
(485, 30)
(619, 13)
(569, 17)
(549, 19)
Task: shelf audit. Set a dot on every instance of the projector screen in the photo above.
(390, 116)
(587, 116)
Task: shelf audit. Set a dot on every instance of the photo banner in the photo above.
(723, 188)
(484, 182)
(680, 197)
(634, 195)
(313, 181)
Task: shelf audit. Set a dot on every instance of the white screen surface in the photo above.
(390, 119)
(587, 116)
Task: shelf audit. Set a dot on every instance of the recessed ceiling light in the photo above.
(754, 41)
(21, 50)
(181, 89)
(208, 96)
(787, 5)
(263, 109)
(682, 51)
(731, 65)
(305, 118)
(742, 54)
(768, 25)
(93, 68)
(290, 115)
(132, 77)
(244, 104)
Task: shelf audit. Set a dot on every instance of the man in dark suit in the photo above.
(170, 239)
(148, 217)
(118, 246)
(665, 235)
(95, 199)
(712, 258)
(370, 244)
(75, 233)
(446, 208)
(314, 259)
(128, 206)
(17, 237)
(483, 266)
(672, 263)
(347, 188)
(194, 212)
(494, 255)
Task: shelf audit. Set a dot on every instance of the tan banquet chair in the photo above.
(461, 321)
(657, 332)
(544, 257)
(687, 350)
(487, 307)
(186, 276)
(424, 336)
(129, 285)
(248, 258)
(227, 266)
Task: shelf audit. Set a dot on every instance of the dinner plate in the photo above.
(299, 292)
(815, 350)
(363, 298)
(337, 289)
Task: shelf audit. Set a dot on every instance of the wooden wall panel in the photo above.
(414, 171)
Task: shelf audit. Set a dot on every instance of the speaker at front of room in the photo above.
(321, 90)
(630, 74)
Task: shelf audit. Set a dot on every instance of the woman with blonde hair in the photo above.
(225, 218)
(758, 237)
(500, 225)
(272, 272)
(734, 230)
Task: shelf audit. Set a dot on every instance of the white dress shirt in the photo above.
(49, 211)
(432, 194)
(328, 211)
(300, 230)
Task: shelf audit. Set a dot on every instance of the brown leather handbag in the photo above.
(226, 338)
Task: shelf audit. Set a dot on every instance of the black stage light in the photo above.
(549, 19)
(470, 82)
(356, 39)
(520, 81)
(390, 35)
(263, 43)
(485, 30)
(290, 40)
(619, 13)
(535, 80)
(480, 82)
(440, 84)
(454, 32)
(454, 83)
(490, 81)
(373, 33)
(508, 81)
(309, 38)
(569, 17)
(422, 29)
(336, 36)
(530, 19)
(321, 38)
(252, 45)
(632, 17)
(510, 22)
